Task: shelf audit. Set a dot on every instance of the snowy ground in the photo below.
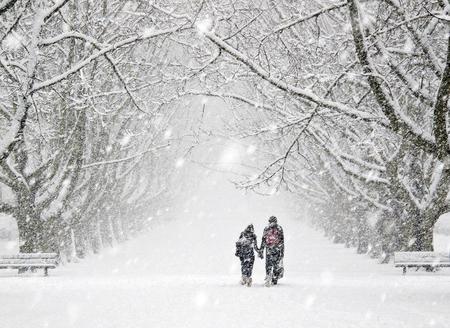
(184, 274)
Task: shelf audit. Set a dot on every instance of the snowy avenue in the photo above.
(168, 278)
(224, 163)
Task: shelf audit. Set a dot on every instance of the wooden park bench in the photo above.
(427, 260)
(29, 261)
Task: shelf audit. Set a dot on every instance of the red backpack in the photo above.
(272, 237)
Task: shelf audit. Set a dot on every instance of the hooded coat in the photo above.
(246, 245)
(273, 242)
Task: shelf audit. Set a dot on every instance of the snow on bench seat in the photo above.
(30, 256)
(25, 261)
(421, 259)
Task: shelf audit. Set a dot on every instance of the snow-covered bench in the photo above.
(25, 261)
(429, 260)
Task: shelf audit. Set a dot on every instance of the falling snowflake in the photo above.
(180, 162)
(204, 26)
(251, 149)
(12, 41)
(168, 133)
(125, 140)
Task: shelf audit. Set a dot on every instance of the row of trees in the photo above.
(348, 103)
(87, 119)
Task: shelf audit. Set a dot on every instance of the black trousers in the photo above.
(273, 258)
(247, 265)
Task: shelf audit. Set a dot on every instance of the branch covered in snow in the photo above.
(77, 67)
(128, 158)
(302, 93)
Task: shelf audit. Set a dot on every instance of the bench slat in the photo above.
(19, 266)
(421, 257)
(416, 265)
(27, 261)
(30, 256)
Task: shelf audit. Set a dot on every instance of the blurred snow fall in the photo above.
(9, 235)
(441, 234)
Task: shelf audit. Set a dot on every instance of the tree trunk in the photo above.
(30, 234)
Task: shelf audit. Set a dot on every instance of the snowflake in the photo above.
(13, 41)
(168, 133)
(204, 26)
(251, 149)
(180, 162)
(125, 140)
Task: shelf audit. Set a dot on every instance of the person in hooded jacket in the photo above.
(273, 242)
(245, 247)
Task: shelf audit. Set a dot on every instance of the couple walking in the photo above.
(272, 242)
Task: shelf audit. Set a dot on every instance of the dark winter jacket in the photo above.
(273, 238)
(247, 243)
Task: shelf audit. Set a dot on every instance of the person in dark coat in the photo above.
(245, 247)
(273, 242)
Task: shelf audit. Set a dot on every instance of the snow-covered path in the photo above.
(184, 274)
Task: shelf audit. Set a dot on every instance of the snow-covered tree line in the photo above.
(87, 114)
(348, 102)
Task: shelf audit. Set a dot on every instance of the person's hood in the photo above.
(273, 219)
